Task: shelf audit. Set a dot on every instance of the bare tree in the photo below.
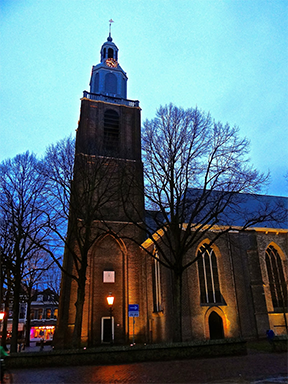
(80, 193)
(196, 177)
(23, 226)
(36, 267)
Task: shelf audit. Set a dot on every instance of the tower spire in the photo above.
(110, 22)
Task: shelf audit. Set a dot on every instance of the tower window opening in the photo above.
(104, 53)
(110, 53)
(111, 132)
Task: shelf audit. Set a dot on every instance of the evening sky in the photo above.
(229, 57)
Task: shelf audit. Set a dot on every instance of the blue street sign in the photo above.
(133, 310)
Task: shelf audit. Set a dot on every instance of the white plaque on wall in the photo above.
(108, 276)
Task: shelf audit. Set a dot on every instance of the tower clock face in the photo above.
(111, 63)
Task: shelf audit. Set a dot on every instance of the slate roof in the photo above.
(259, 211)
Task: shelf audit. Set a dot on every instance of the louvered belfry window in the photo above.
(111, 132)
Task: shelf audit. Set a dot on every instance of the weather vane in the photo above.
(110, 22)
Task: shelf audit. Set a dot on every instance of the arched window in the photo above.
(276, 278)
(208, 276)
(111, 132)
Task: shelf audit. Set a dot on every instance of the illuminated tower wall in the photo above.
(108, 141)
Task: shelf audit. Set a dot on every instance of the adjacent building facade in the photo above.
(238, 286)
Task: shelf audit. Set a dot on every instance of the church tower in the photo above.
(108, 169)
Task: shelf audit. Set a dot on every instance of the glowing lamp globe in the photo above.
(110, 300)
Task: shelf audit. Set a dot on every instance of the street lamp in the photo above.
(110, 301)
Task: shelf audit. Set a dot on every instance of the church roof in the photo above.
(240, 209)
(232, 209)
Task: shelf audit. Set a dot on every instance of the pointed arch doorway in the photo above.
(216, 329)
(108, 257)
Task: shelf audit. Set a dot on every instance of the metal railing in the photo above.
(110, 99)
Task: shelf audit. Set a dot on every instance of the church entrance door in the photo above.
(216, 326)
(107, 330)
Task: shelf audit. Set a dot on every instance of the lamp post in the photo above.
(110, 301)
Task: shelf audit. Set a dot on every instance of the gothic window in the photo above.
(156, 283)
(208, 276)
(276, 278)
(111, 132)
(111, 84)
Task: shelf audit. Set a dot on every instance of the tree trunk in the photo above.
(5, 320)
(2, 277)
(16, 300)
(177, 306)
(76, 338)
(28, 320)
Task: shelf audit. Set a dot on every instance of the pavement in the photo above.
(259, 366)
(36, 348)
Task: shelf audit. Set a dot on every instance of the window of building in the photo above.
(40, 314)
(22, 311)
(276, 278)
(208, 276)
(32, 314)
(156, 283)
(110, 53)
(55, 313)
(48, 313)
(111, 131)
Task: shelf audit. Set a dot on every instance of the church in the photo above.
(236, 288)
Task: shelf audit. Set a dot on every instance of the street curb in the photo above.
(128, 354)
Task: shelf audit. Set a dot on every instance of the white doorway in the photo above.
(107, 330)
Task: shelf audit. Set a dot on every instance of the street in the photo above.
(254, 368)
